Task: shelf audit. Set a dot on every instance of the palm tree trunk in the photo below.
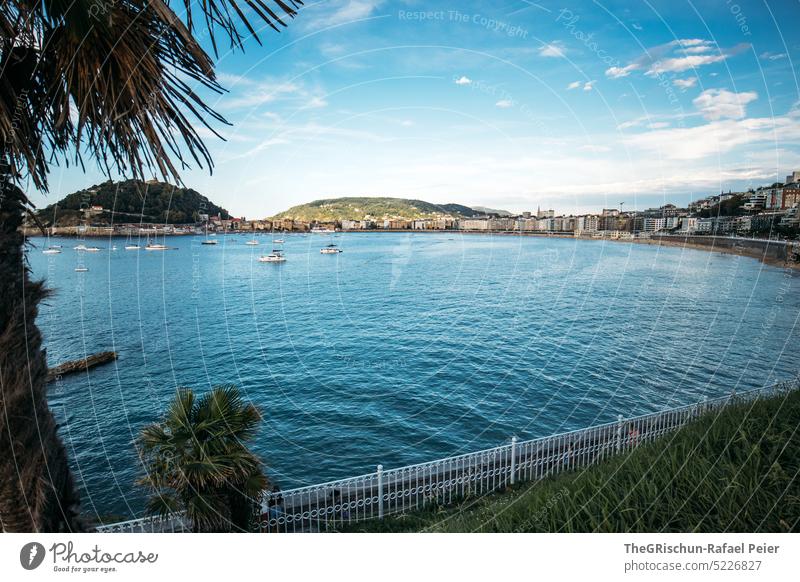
(37, 492)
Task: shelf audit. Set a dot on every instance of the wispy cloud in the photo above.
(343, 11)
(574, 85)
(675, 57)
(504, 104)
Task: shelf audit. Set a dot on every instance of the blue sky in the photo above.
(512, 104)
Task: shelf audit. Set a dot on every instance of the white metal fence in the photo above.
(329, 506)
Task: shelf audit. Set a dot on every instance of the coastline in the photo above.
(746, 247)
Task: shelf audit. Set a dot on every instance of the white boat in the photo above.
(331, 249)
(156, 247)
(81, 269)
(114, 247)
(279, 241)
(132, 247)
(208, 241)
(51, 251)
(80, 247)
(252, 242)
(91, 249)
(276, 256)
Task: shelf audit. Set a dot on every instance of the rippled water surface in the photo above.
(403, 348)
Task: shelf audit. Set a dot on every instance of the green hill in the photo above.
(131, 201)
(368, 207)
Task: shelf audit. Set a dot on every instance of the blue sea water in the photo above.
(403, 348)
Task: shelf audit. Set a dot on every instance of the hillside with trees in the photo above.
(359, 208)
(131, 201)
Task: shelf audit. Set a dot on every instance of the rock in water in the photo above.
(80, 365)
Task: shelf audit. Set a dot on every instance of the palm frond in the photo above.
(118, 82)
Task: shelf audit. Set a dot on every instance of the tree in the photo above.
(112, 80)
(196, 460)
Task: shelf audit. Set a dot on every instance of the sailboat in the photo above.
(208, 241)
(331, 249)
(154, 246)
(51, 249)
(129, 244)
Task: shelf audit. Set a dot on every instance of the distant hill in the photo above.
(358, 208)
(485, 210)
(131, 201)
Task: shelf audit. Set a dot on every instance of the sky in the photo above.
(571, 105)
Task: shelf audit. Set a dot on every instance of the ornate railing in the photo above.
(328, 506)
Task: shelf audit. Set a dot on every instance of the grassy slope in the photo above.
(356, 208)
(735, 472)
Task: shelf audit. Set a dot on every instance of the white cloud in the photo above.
(588, 86)
(688, 42)
(553, 49)
(676, 56)
(463, 81)
(685, 83)
(681, 64)
(696, 50)
(349, 11)
(619, 72)
(719, 103)
(717, 137)
(504, 104)
(573, 85)
(316, 102)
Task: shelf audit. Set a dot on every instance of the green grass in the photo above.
(730, 471)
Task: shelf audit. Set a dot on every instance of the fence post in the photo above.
(380, 491)
(619, 433)
(513, 459)
(705, 404)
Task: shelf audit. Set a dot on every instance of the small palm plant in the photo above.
(197, 461)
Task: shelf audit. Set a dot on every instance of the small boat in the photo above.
(91, 249)
(51, 251)
(81, 269)
(252, 242)
(279, 240)
(276, 256)
(114, 247)
(156, 247)
(79, 247)
(331, 249)
(207, 240)
(132, 247)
